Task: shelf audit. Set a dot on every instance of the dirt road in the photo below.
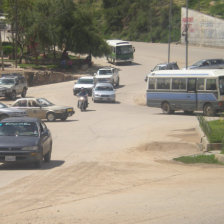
(113, 163)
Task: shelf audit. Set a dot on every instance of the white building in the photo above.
(203, 30)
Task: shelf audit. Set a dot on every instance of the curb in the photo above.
(205, 145)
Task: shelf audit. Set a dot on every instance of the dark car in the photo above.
(25, 140)
(208, 64)
(164, 66)
(6, 111)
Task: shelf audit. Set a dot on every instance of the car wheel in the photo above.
(13, 95)
(3, 116)
(51, 117)
(64, 118)
(208, 110)
(23, 94)
(166, 108)
(118, 82)
(47, 157)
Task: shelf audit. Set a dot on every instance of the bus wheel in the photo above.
(208, 110)
(166, 108)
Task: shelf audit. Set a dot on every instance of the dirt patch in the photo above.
(140, 100)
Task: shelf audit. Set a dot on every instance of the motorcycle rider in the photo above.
(84, 93)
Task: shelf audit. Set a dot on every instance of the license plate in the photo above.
(10, 158)
(69, 110)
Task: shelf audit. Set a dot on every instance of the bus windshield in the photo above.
(126, 49)
(221, 85)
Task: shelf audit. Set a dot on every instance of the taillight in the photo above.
(220, 104)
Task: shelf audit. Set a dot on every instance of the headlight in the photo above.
(30, 148)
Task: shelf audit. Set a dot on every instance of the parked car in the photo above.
(85, 82)
(43, 109)
(6, 111)
(164, 66)
(13, 84)
(25, 140)
(103, 92)
(107, 74)
(208, 64)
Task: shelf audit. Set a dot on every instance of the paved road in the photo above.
(113, 163)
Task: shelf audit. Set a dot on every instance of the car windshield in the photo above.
(85, 81)
(126, 49)
(2, 105)
(44, 102)
(105, 72)
(104, 88)
(199, 63)
(221, 85)
(7, 81)
(18, 129)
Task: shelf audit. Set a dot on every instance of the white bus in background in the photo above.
(187, 90)
(121, 51)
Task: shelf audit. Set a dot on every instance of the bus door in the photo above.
(191, 97)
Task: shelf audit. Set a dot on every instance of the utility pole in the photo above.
(16, 12)
(170, 26)
(186, 35)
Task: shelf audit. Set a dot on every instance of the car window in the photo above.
(18, 129)
(33, 103)
(104, 88)
(44, 102)
(20, 103)
(7, 81)
(85, 81)
(2, 105)
(43, 127)
(105, 72)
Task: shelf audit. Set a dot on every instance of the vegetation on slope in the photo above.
(144, 20)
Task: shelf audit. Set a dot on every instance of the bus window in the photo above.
(211, 84)
(178, 84)
(200, 84)
(163, 83)
(152, 83)
(191, 84)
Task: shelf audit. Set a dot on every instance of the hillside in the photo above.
(144, 20)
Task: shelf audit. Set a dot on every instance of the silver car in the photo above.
(103, 92)
(6, 111)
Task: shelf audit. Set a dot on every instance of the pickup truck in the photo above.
(107, 74)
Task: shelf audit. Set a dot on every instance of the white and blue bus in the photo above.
(187, 90)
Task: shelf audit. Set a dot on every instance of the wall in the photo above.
(203, 30)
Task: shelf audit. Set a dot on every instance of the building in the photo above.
(203, 30)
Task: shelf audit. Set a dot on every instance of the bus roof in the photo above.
(188, 73)
(115, 43)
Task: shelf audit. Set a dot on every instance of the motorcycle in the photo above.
(82, 103)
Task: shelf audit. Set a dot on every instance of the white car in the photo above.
(85, 82)
(107, 74)
(103, 92)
